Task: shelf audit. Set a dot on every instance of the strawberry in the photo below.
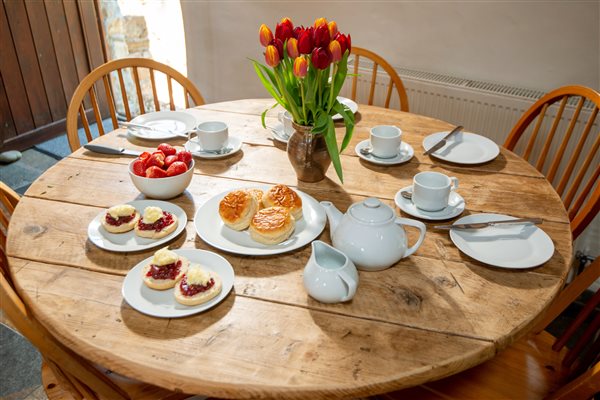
(167, 149)
(169, 160)
(185, 157)
(139, 167)
(178, 167)
(156, 172)
(156, 159)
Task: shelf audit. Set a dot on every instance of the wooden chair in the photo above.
(536, 367)
(98, 85)
(395, 80)
(575, 182)
(65, 375)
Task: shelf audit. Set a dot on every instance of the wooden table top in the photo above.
(432, 314)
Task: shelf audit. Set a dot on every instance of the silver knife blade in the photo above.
(97, 148)
(480, 225)
(442, 142)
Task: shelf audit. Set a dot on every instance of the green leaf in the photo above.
(340, 76)
(348, 121)
(331, 143)
(264, 114)
(270, 87)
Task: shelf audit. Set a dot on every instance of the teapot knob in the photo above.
(372, 202)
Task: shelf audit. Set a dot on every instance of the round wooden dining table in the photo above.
(430, 315)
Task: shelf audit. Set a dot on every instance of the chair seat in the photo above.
(529, 369)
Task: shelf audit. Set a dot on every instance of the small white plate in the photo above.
(278, 134)
(506, 246)
(213, 231)
(405, 154)
(351, 104)
(233, 142)
(162, 303)
(129, 241)
(174, 121)
(463, 148)
(455, 207)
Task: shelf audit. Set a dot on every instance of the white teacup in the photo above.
(386, 141)
(286, 119)
(210, 135)
(431, 190)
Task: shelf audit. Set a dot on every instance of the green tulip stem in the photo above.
(289, 99)
(303, 102)
(319, 86)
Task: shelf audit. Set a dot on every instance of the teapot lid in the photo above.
(371, 211)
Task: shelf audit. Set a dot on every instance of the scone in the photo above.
(165, 269)
(197, 286)
(283, 196)
(237, 209)
(258, 195)
(156, 223)
(272, 225)
(120, 218)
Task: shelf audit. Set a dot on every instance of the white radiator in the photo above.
(485, 108)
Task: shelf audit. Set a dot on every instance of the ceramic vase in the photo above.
(308, 154)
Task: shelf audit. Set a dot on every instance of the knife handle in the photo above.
(103, 149)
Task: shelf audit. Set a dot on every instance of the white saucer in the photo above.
(406, 153)
(456, 207)
(277, 133)
(233, 142)
(351, 104)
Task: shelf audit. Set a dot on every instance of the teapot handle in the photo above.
(350, 282)
(416, 224)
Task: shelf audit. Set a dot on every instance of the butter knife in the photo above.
(442, 142)
(97, 148)
(154, 129)
(480, 225)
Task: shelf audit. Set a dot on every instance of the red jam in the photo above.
(118, 221)
(157, 226)
(190, 290)
(169, 271)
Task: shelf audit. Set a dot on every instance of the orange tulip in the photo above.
(300, 67)
(265, 35)
(292, 48)
(336, 50)
(272, 56)
(319, 22)
(333, 29)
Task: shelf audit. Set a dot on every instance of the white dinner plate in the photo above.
(351, 104)
(129, 241)
(405, 153)
(213, 231)
(455, 207)
(162, 303)
(169, 123)
(463, 148)
(507, 246)
(232, 142)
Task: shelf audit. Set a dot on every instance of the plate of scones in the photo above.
(136, 225)
(178, 283)
(260, 220)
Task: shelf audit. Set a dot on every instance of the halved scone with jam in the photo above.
(120, 218)
(198, 285)
(165, 269)
(156, 223)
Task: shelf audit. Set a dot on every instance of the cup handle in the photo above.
(415, 224)
(454, 184)
(190, 134)
(350, 282)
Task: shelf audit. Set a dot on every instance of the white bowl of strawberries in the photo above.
(164, 173)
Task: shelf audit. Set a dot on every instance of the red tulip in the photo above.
(279, 46)
(288, 22)
(272, 56)
(298, 31)
(344, 42)
(265, 35)
(336, 50)
(283, 32)
(333, 29)
(321, 36)
(300, 67)
(305, 42)
(319, 22)
(292, 48)
(321, 57)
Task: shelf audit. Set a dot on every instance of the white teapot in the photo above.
(370, 234)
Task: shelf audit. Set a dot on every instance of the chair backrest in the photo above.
(568, 157)
(8, 201)
(378, 61)
(99, 84)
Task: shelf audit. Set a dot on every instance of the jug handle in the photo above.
(350, 282)
(416, 224)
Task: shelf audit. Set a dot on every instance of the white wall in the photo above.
(533, 44)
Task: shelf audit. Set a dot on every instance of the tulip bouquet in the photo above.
(308, 69)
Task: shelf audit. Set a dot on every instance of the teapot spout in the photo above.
(333, 215)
